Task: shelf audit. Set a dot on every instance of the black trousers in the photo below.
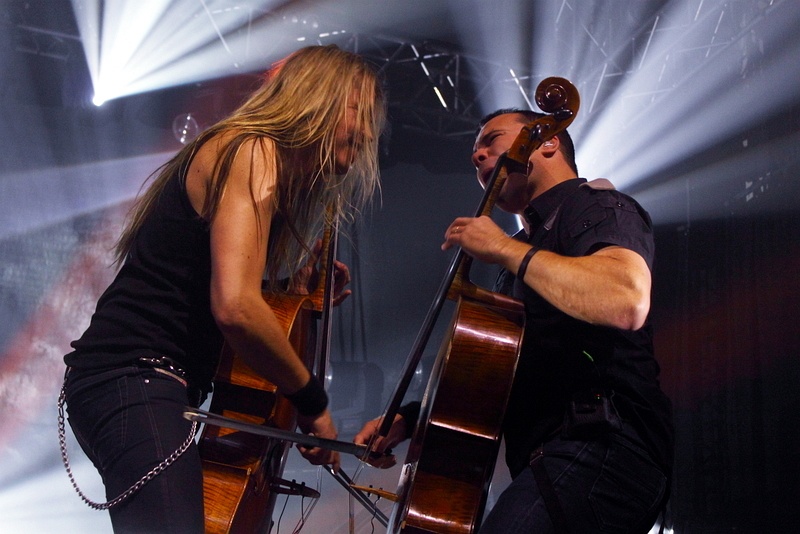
(128, 420)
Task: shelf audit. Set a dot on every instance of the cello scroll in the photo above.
(560, 100)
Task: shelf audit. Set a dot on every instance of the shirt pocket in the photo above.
(589, 219)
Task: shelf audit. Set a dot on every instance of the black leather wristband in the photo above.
(523, 265)
(310, 399)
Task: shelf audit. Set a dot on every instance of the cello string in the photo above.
(280, 517)
(305, 514)
(335, 226)
(302, 521)
(351, 514)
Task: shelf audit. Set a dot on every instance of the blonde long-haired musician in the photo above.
(247, 197)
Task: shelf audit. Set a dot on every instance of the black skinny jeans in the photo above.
(128, 420)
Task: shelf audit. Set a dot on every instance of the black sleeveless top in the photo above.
(159, 302)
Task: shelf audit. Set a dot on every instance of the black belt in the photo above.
(164, 363)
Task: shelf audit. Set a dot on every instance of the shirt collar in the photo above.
(540, 208)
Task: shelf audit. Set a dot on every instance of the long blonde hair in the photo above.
(302, 100)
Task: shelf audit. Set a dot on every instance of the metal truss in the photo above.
(435, 87)
(30, 33)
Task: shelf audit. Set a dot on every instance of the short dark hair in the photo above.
(567, 146)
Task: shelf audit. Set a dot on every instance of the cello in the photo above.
(450, 461)
(242, 470)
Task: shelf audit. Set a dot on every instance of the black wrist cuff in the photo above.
(310, 399)
(523, 265)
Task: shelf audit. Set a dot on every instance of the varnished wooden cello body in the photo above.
(241, 470)
(454, 453)
(451, 457)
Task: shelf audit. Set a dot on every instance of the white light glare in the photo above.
(441, 98)
(134, 47)
(521, 89)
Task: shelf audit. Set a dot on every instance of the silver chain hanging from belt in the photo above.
(166, 462)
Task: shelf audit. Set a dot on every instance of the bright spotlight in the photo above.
(98, 100)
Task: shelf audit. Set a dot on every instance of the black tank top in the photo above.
(159, 304)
